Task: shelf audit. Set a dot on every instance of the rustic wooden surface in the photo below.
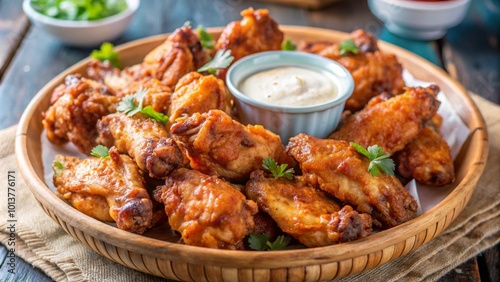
(29, 58)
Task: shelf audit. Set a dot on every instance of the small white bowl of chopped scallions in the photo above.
(83, 23)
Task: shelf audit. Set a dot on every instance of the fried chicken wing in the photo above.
(306, 213)
(337, 168)
(196, 93)
(75, 108)
(218, 145)
(108, 189)
(256, 32)
(427, 159)
(205, 210)
(373, 71)
(144, 140)
(393, 123)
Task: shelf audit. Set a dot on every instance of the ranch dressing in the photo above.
(289, 86)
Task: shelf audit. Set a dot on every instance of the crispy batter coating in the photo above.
(196, 93)
(75, 108)
(180, 54)
(108, 189)
(256, 32)
(393, 123)
(205, 210)
(218, 145)
(427, 159)
(306, 213)
(373, 71)
(144, 140)
(336, 168)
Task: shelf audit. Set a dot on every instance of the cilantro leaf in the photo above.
(288, 46)
(79, 10)
(206, 38)
(106, 53)
(348, 46)
(280, 243)
(129, 107)
(278, 170)
(259, 242)
(222, 59)
(58, 167)
(100, 151)
(379, 160)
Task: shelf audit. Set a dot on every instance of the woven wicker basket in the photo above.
(176, 261)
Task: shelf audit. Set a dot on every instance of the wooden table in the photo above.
(29, 58)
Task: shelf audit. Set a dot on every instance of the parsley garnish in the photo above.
(288, 46)
(262, 243)
(206, 38)
(222, 59)
(58, 167)
(378, 159)
(100, 151)
(278, 170)
(107, 53)
(347, 46)
(128, 106)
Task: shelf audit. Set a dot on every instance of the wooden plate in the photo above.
(191, 263)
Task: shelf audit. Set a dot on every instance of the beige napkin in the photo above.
(41, 242)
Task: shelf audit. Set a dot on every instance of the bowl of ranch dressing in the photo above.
(290, 92)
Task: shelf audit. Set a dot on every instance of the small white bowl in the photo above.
(419, 19)
(318, 120)
(83, 33)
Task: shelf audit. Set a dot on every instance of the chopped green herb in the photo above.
(348, 46)
(278, 170)
(58, 167)
(79, 10)
(288, 46)
(222, 59)
(262, 243)
(378, 159)
(106, 53)
(129, 107)
(259, 242)
(100, 151)
(206, 39)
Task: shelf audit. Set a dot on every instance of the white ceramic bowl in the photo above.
(419, 19)
(83, 33)
(318, 120)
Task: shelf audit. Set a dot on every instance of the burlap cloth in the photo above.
(41, 242)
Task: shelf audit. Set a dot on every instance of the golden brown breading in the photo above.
(373, 71)
(144, 140)
(218, 145)
(393, 123)
(196, 93)
(108, 189)
(337, 168)
(205, 210)
(306, 213)
(427, 159)
(256, 32)
(75, 108)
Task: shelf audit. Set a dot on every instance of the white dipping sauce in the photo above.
(289, 86)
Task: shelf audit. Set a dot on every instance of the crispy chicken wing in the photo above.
(108, 189)
(256, 32)
(180, 54)
(373, 71)
(196, 93)
(337, 168)
(393, 123)
(205, 210)
(306, 213)
(143, 139)
(217, 145)
(75, 108)
(427, 159)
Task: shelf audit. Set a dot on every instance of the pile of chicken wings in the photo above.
(201, 172)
